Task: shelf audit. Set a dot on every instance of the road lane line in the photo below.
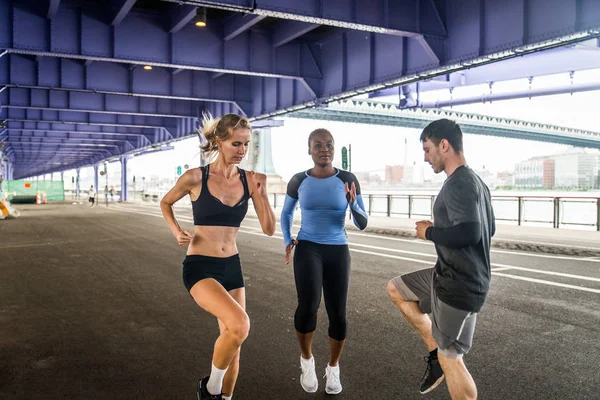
(501, 267)
(564, 285)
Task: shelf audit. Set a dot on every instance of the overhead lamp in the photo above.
(148, 67)
(200, 20)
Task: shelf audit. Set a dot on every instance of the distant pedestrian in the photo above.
(92, 196)
(454, 290)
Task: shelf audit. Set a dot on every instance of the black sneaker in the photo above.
(433, 375)
(203, 392)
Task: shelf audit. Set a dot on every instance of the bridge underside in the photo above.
(85, 81)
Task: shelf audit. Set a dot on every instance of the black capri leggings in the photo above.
(326, 267)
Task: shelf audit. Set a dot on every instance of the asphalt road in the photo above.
(92, 306)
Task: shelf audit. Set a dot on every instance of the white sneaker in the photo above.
(308, 379)
(333, 385)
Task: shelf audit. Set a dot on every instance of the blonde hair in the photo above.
(222, 128)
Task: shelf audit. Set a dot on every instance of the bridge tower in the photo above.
(260, 159)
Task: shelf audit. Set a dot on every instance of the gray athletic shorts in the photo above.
(452, 328)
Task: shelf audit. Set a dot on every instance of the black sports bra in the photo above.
(209, 211)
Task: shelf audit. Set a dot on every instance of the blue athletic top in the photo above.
(323, 202)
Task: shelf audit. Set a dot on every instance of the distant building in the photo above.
(365, 178)
(578, 170)
(536, 172)
(394, 174)
(571, 170)
(505, 178)
(413, 175)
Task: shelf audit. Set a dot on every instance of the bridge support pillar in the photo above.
(77, 188)
(260, 159)
(96, 188)
(123, 178)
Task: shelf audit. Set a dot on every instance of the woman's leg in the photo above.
(308, 274)
(213, 298)
(336, 280)
(239, 295)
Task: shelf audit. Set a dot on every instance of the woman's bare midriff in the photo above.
(213, 241)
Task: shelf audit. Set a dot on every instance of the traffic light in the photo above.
(179, 170)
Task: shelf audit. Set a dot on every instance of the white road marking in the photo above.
(500, 267)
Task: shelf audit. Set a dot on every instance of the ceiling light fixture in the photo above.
(200, 20)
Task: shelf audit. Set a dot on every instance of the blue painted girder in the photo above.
(286, 65)
(385, 42)
(87, 119)
(41, 137)
(59, 100)
(106, 77)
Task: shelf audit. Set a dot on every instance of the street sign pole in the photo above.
(350, 157)
(344, 158)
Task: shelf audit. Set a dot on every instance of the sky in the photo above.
(374, 147)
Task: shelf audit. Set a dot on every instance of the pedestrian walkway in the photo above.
(527, 238)
(565, 241)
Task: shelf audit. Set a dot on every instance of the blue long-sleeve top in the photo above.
(323, 202)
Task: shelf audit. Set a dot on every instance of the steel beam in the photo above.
(58, 100)
(121, 124)
(120, 9)
(76, 34)
(52, 8)
(78, 128)
(110, 78)
(181, 16)
(286, 31)
(240, 23)
(401, 18)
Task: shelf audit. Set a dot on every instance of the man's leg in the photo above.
(411, 311)
(453, 330)
(412, 293)
(460, 383)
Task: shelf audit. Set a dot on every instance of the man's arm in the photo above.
(462, 204)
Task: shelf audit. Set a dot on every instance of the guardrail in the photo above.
(555, 211)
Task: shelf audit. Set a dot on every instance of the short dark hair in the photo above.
(444, 129)
(318, 132)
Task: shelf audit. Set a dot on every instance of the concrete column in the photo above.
(123, 178)
(9, 172)
(264, 160)
(77, 188)
(96, 167)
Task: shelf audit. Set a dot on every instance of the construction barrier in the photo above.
(7, 211)
(24, 191)
(41, 198)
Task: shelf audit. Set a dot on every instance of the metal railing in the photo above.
(552, 211)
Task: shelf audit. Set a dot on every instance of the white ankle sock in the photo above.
(215, 382)
(227, 397)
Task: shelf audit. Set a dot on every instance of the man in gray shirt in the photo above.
(454, 290)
